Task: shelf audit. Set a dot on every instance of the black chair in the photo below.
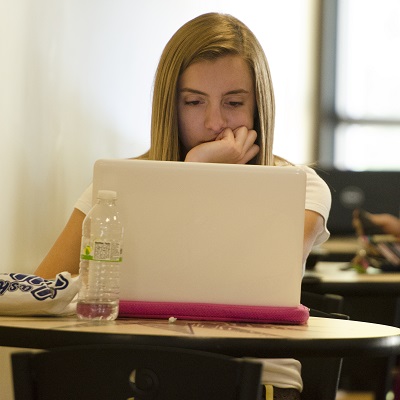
(321, 375)
(133, 372)
(323, 305)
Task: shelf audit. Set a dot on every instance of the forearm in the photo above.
(65, 253)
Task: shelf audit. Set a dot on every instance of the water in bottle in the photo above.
(101, 256)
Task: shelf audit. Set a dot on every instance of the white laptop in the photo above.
(208, 233)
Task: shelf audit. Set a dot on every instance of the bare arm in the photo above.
(65, 253)
(389, 223)
(313, 226)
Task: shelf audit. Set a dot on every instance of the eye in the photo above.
(192, 103)
(236, 103)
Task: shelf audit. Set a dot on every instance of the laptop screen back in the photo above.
(211, 233)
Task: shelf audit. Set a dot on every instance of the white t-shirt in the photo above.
(284, 373)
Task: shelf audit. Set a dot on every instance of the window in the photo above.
(360, 127)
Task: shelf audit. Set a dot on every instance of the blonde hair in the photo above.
(208, 37)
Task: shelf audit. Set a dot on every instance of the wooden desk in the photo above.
(335, 277)
(339, 248)
(373, 297)
(320, 337)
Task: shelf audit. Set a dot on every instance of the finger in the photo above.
(251, 137)
(250, 154)
(241, 134)
(226, 133)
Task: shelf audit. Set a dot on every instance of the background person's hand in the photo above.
(389, 223)
(366, 223)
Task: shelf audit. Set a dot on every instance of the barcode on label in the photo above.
(102, 250)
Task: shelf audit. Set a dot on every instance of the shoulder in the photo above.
(85, 201)
(317, 190)
(281, 162)
(312, 177)
(314, 181)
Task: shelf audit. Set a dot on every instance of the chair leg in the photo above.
(22, 379)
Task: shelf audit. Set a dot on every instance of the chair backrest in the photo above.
(127, 372)
(323, 305)
(321, 375)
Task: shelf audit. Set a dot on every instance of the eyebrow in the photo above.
(195, 91)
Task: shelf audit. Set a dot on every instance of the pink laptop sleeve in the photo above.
(215, 312)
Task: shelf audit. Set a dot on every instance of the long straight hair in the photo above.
(209, 37)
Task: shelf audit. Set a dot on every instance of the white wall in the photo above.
(75, 80)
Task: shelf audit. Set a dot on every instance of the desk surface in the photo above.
(341, 244)
(334, 277)
(319, 337)
(340, 272)
(373, 297)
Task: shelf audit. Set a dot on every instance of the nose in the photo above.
(215, 120)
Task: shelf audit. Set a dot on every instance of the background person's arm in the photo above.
(389, 223)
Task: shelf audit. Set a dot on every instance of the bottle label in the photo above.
(102, 251)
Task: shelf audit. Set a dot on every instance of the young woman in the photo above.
(213, 102)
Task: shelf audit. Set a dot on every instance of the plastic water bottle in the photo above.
(101, 256)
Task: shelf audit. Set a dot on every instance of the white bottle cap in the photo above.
(107, 195)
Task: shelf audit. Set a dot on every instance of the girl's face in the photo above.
(212, 96)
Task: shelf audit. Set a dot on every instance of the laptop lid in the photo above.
(208, 233)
